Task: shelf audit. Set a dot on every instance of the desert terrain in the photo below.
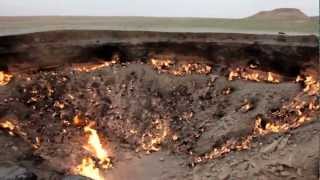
(290, 21)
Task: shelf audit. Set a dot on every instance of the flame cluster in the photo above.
(168, 66)
(253, 75)
(5, 78)
(151, 141)
(93, 67)
(304, 108)
(312, 86)
(190, 68)
(9, 126)
(95, 147)
(246, 106)
(230, 145)
(89, 167)
(161, 64)
(303, 111)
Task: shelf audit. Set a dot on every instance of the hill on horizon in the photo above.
(281, 14)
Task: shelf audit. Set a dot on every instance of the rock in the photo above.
(76, 178)
(289, 160)
(265, 157)
(213, 77)
(280, 168)
(270, 148)
(299, 171)
(208, 175)
(214, 169)
(225, 174)
(273, 169)
(15, 148)
(197, 169)
(283, 143)
(285, 173)
(14, 172)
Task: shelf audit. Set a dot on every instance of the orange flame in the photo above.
(276, 128)
(5, 78)
(225, 148)
(312, 86)
(8, 125)
(253, 75)
(95, 147)
(304, 109)
(247, 106)
(160, 64)
(93, 67)
(167, 65)
(189, 68)
(77, 121)
(88, 167)
(151, 141)
(272, 78)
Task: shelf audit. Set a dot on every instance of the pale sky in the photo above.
(166, 8)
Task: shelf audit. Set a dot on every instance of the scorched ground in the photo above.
(177, 113)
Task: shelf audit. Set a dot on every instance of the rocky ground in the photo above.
(159, 124)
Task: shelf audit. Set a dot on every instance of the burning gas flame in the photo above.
(4, 78)
(93, 67)
(253, 75)
(77, 121)
(272, 78)
(88, 167)
(167, 65)
(151, 141)
(190, 68)
(225, 148)
(269, 127)
(95, 147)
(247, 106)
(9, 126)
(312, 86)
(303, 107)
(12, 128)
(160, 64)
(227, 91)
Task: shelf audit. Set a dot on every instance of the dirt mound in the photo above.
(281, 14)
